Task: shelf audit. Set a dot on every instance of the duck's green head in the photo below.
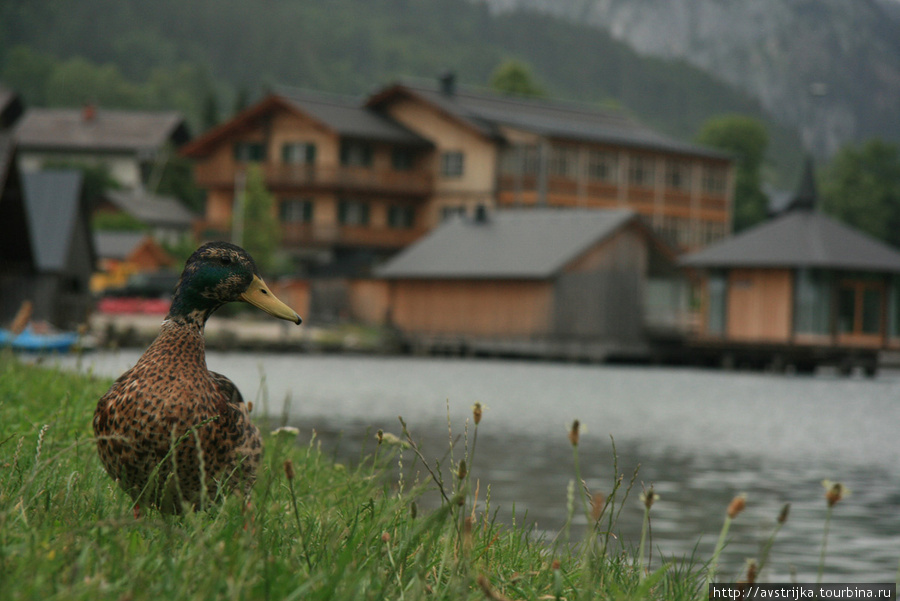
(219, 273)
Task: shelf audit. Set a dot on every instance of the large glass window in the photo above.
(860, 306)
(718, 297)
(812, 302)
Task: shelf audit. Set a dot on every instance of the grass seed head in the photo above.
(648, 497)
(477, 410)
(462, 471)
(574, 433)
(289, 469)
(834, 492)
(783, 516)
(737, 505)
(752, 570)
(597, 502)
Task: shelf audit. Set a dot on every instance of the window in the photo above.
(402, 159)
(859, 306)
(296, 210)
(812, 302)
(603, 166)
(714, 179)
(353, 212)
(298, 153)
(678, 175)
(249, 152)
(718, 298)
(451, 211)
(355, 153)
(564, 161)
(452, 164)
(641, 171)
(401, 217)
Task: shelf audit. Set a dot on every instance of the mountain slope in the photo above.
(831, 67)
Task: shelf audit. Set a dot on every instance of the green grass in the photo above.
(332, 532)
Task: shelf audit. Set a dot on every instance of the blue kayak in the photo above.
(33, 342)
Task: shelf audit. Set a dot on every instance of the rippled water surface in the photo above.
(700, 437)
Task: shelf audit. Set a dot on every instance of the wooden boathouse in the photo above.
(800, 289)
(574, 284)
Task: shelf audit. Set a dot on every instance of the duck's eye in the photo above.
(226, 260)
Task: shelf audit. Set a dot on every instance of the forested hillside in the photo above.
(203, 56)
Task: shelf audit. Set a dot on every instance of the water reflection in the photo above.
(700, 437)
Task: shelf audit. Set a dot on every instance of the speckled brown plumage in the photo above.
(169, 428)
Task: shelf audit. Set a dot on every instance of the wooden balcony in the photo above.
(312, 235)
(297, 235)
(308, 178)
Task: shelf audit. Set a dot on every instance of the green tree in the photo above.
(78, 81)
(516, 79)
(26, 71)
(861, 186)
(746, 139)
(261, 233)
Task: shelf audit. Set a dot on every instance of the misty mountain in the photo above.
(830, 67)
(177, 54)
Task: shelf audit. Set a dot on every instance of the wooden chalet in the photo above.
(576, 284)
(503, 151)
(799, 289)
(350, 184)
(133, 145)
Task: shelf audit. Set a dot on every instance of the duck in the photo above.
(169, 431)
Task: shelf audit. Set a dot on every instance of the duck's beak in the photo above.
(259, 295)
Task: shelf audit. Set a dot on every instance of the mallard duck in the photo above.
(169, 428)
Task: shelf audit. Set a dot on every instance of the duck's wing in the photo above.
(236, 429)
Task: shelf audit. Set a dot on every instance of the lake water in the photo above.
(700, 438)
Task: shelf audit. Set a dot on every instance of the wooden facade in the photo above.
(590, 303)
(336, 190)
(800, 288)
(519, 152)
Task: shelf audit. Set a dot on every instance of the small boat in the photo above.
(35, 342)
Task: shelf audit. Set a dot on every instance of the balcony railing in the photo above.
(337, 178)
(315, 235)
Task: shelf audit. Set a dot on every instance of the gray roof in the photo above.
(349, 117)
(799, 238)
(116, 245)
(151, 209)
(53, 201)
(108, 130)
(487, 112)
(510, 244)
